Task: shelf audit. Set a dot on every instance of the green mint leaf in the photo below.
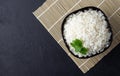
(84, 50)
(78, 46)
(78, 42)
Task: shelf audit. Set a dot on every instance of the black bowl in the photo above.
(83, 9)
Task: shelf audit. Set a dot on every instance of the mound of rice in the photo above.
(91, 27)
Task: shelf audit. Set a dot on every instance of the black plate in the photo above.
(83, 9)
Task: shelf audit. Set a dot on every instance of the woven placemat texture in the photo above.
(52, 13)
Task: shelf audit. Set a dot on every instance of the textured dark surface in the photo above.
(27, 49)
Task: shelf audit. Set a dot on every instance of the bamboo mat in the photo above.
(52, 13)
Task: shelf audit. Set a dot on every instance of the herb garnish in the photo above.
(78, 46)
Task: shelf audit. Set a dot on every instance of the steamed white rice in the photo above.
(91, 27)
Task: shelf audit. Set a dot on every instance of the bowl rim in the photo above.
(83, 9)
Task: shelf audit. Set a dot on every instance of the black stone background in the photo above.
(27, 49)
